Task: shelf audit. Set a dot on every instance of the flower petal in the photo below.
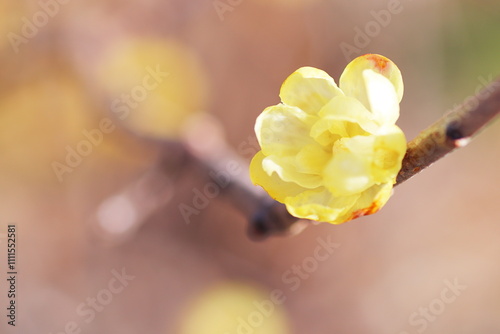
(320, 205)
(286, 168)
(345, 117)
(388, 152)
(273, 184)
(309, 89)
(311, 159)
(370, 201)
(282, 130)
(382, 98)
(349, 170)
(382, 152)
(352, 80)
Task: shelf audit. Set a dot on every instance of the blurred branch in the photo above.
(207, 149)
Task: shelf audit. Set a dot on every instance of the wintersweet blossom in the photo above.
(331, 153)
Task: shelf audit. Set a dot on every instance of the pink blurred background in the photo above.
(228, 59)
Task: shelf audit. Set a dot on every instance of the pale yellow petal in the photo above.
(352, 82)
(320, 205)
(273, 184)
(327, 132)
(286, 168)
(345, 117)
(369, 202)
(382, 98)
(349, 172)
(388, 152)
(382, 152)
(311, 159)
(309, 89)
(347, 109)
(282, 130)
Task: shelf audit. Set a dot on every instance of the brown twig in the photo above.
(266, 216)
(452, 131)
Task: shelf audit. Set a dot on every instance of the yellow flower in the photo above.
(332, 153)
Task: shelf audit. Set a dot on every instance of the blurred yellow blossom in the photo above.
(297, 4)
(39, 119)
(233, 307)
(10, 22)
(153, 85)
(332, 153)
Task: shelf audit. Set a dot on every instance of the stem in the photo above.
(217, 160)
(452, 131)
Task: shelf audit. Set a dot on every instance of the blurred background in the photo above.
(90, 92)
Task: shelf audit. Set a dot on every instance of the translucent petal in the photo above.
(286, 168)
(369, 202)
(349, 172)
(382, 98)
(311, 159)
(322, 134)
(352, 82)
(282, 130)
(347, 109)
(388, 152)
(320, 205)
(335, 128)
(309, 89)
(273, 184)
(382, 152)
(344, 116)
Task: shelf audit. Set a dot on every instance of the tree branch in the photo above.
(205, 152)
(452, 131)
